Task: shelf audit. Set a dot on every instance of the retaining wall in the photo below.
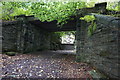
(23, 37)
(100, 49)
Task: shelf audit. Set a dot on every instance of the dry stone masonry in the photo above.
(21, 36)
(101, 48)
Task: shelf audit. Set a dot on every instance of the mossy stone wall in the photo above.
(100, 49)
(21, 36)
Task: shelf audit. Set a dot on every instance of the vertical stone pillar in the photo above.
(80, 37)
(22, 28)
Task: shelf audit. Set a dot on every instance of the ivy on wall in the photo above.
(92, 27)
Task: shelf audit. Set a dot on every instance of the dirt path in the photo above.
(49, 64)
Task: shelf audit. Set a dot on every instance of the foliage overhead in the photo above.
(114, 6)
(60, 11)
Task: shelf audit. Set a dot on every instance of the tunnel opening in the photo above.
(63, 42)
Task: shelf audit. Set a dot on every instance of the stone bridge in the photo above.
(100, 49)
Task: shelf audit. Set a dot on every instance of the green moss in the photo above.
(104, 53)
(43, 48)
(11, 53)
(78, 58)
(81, 58)
(96, 74)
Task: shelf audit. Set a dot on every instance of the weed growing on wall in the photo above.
(91, 28)
(90, 19)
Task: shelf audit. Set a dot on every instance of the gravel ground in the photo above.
(48, 65)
